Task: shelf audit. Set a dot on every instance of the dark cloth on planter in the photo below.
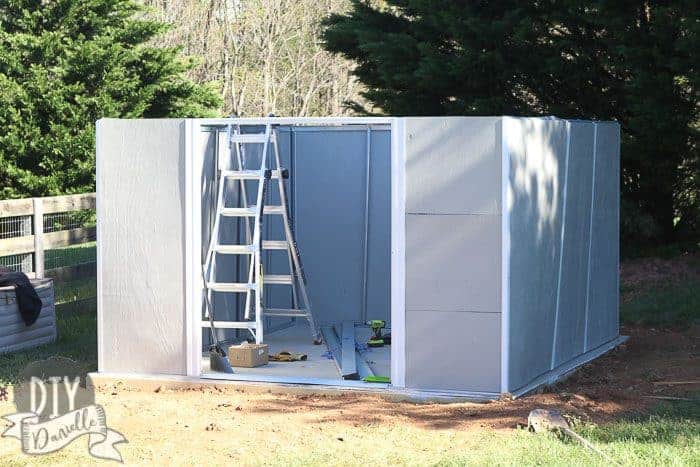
(28, 301)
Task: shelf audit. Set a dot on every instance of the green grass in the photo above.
(70, 255)
(669, 436)
(72, 291)
(77, 339)
(671, 304)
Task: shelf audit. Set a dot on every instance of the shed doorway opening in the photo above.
(337, 185)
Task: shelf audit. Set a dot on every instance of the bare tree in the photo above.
(265, 55)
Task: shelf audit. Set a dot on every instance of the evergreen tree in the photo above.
(65, 64)
(628, 60)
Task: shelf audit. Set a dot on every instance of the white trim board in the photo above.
(297, 121)
(193, 238)
(98, 248)
(506, 205)
(398, 252)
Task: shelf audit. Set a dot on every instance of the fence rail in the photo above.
(30, 227)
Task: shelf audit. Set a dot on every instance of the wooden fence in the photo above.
(30, 227)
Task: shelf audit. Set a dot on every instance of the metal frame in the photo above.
(195, 160)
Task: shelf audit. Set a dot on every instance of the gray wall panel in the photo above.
(329, 189)
(141, 215)
(379, 244)
(453, 263)
(537, 150)
(453, 350)
(574, 273)
(603, 314)
(329, 218)
(453, 253)
(453, 165)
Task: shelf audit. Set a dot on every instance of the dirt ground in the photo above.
(227, 424)
(224, 424)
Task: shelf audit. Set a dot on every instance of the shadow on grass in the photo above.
(77, 340)
(675, 304)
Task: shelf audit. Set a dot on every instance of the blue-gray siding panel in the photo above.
(574, 272)
(329, 219)
(603, 314)
(537, 160)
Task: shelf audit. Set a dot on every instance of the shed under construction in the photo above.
(487, 247)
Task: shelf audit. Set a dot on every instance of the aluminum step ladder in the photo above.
(254, 244)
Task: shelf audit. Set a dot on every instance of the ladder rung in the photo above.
(234, 249)
(250, 211)
(234, 287)
(282, 279)
(249, 138)
(275, 244)
(274, 210)
(286, 312)
(239, 212)
(247, 174)
(231, 324)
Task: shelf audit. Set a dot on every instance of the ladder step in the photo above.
(248, 174)
(231, 324)
(274, 210)
(275, 244)
(285, 312)
(239, 212)
(233, 287)
(249, 138)
(250, 211)
(278, 279)
(234, 249)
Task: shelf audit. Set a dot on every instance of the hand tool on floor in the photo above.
(376, 379)
(377, 340)
(286, 356)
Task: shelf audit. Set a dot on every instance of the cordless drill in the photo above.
(377, 339)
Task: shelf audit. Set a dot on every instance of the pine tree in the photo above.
(628, 60)
(65, 64)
